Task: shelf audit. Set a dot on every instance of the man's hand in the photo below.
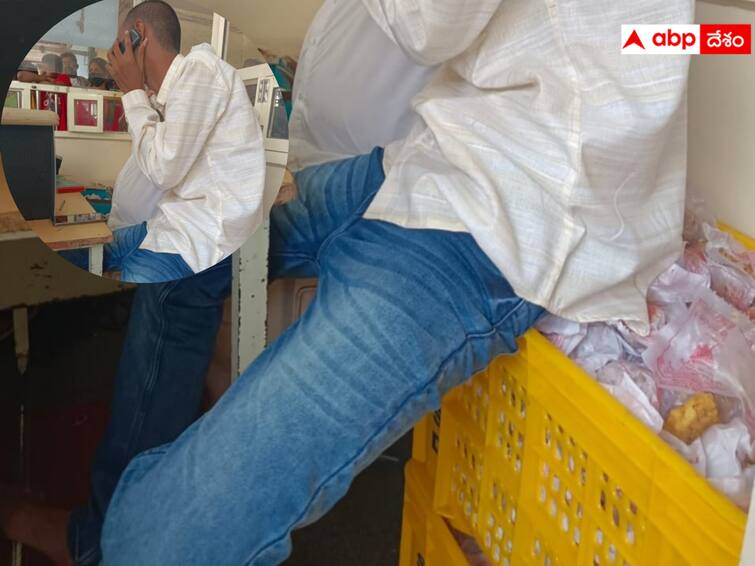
(288, 191)
(127, 69)
(32, 77)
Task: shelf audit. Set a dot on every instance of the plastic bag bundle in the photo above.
(732, 270)
(706, 351)
(600, 346)
(730, 460)
(564, 334)
(696, 217)
(692, 378)
(633, 385)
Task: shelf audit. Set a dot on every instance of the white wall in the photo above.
(196, 28)
(275, 25)
(722, 123)
(92, 159)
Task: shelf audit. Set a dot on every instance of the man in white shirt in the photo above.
(545, 165)
(198, 143)
(511, 172)
(193, 185)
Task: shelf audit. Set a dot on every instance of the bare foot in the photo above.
(35, 525)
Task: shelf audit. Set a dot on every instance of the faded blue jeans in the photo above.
(136, 265)
(400, 317)
(158, 387)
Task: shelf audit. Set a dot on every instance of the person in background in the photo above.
(28, 72)
(50, 69)
(71, 69)
(198, 141)
(99, 77)
(50, 65)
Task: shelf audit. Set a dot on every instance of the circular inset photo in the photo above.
(145, 142)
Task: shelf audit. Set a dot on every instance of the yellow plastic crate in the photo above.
(425, 537)
(543, 466)
(743, 239)
(425, 445)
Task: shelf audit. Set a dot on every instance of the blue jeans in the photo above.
(135, 265)
(400, 317)
(158, 387)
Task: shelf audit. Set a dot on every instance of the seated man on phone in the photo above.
(198, 143)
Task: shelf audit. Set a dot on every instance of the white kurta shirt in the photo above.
(563, 158)
(353, 87)
(135, 197)
(206, 156)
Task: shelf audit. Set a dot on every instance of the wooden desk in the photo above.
(78, 236)
(13, 227)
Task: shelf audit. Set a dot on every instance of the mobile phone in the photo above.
(136, 39)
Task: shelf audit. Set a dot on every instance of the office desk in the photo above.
(89, 236)
(81, 236)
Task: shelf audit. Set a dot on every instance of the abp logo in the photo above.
(706, 39)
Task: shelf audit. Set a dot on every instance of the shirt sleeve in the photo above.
(166, 150)
(135, 197)
(432, 31)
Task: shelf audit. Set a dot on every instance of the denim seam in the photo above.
(139, 417)
(353, 219)
(467, 338)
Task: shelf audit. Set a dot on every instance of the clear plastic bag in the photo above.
(694, 259)
(729, 454)
(693, 452)
(732, 269)
(641, 376)
(707, 351)
(696, 216)
(728, 448)
(552, 324)
(564, 334)
(600, 346)
(633, 386)
(677, 285)
(660, 315)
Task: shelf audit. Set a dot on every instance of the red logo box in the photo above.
(725, 39)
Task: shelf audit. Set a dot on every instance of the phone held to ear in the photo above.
(136, 40)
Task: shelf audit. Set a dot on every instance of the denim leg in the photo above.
(163, 378)
(329, 196)
(145, 266)
(125, 242)
(400, 317)
(136, 265)
(158, 388)
(141, 266)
